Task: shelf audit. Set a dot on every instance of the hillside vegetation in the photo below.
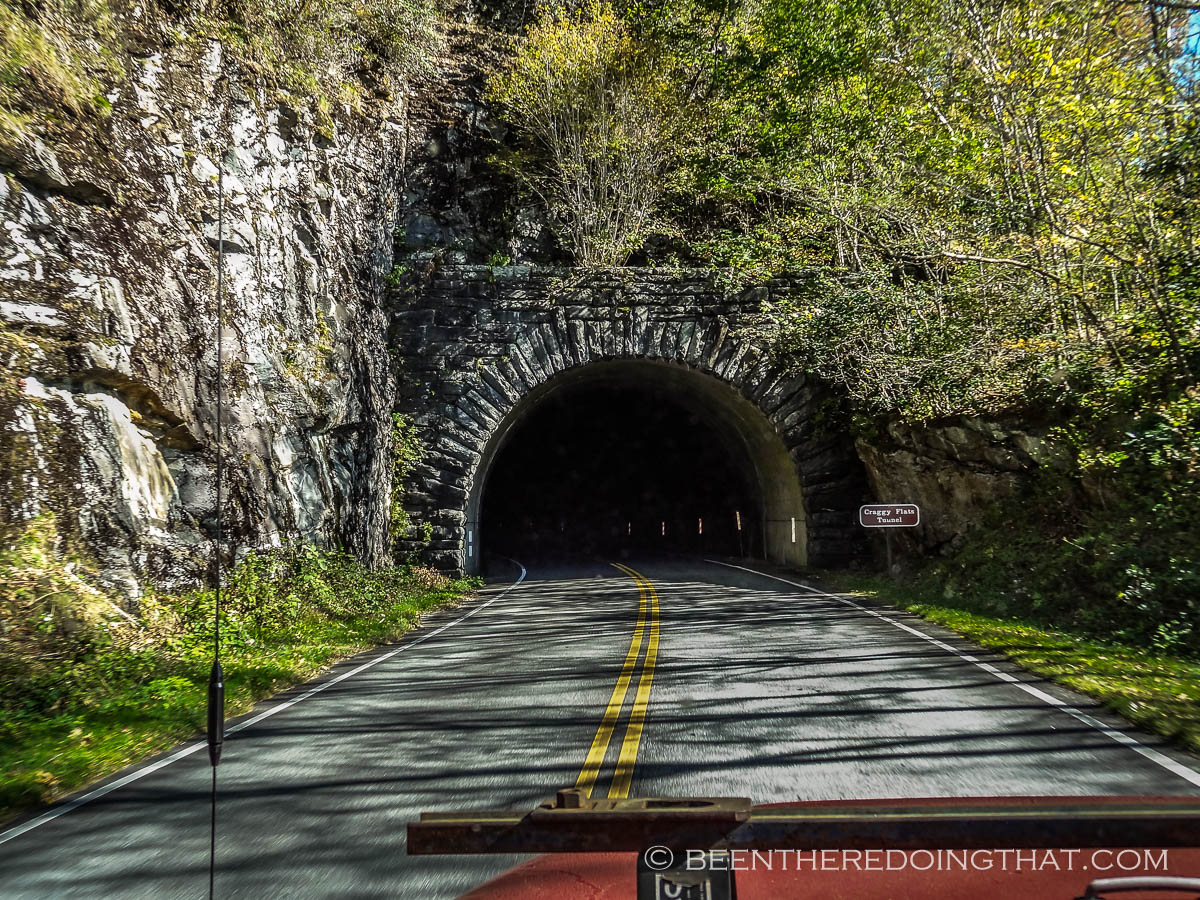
(60, 58)
(1006, 195)
(91, 686)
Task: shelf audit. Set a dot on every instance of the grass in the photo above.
(90, 689)
(1157, 692)
(55, 58)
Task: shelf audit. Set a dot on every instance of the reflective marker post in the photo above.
(889, 516)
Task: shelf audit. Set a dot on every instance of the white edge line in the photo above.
(1177, 768)
(57, 811)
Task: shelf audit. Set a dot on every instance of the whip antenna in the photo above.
(216, 678)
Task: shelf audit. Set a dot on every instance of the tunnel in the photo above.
(627, 458)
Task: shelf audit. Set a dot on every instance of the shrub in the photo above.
(1108, 548)
(90, 687)
(599, 118)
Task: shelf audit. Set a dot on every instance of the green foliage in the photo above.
(406, 454)
(334, 50)
(921, 350)
(44, 65)
(344, 45)
(599, 115)
(90, 687)
(1013, 184)
(59, 57)
(1107, 548)
(397, 277)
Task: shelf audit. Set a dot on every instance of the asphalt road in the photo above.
(735, 684)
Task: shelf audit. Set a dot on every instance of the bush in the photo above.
(600, 119)
(53, 54)
(1107, 549)
(337, 47)
(90, 688)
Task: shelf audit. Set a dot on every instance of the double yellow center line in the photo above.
(646, 630)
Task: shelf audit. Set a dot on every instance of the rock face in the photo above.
(456, 205)
(478, 346)
(108, 322)
(108, 266)
(953, 470)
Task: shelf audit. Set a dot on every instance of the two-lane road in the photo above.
(652, 678)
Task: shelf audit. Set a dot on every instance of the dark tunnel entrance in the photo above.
(615, 470)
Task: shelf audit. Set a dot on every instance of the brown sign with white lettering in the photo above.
(889, 515)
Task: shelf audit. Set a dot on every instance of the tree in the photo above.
(599, 120)
(1021, 172)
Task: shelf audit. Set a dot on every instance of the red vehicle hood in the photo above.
(1056, 874)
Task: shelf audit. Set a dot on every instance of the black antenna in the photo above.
(216, 678)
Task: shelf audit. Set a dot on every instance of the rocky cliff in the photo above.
(108, 327)
(108, 317)
(954, 470)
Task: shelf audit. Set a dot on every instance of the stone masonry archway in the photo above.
(480, 348)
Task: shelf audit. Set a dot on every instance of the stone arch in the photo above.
(490, 364)
(749, 437)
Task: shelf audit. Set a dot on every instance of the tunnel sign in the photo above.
(889, 515)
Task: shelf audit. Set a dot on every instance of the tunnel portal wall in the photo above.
(477, 347)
